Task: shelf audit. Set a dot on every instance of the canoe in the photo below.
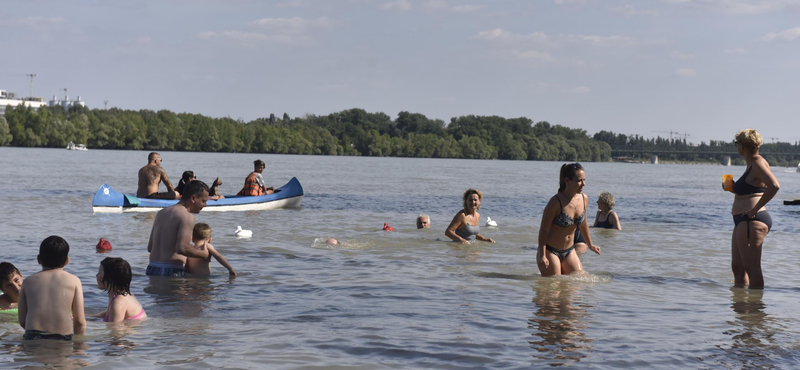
(108, 200)
(795, 202)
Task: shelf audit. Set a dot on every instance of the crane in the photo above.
(31, 75)
(676, 133)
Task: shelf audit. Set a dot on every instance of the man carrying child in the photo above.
(171, 237)
(51, 301)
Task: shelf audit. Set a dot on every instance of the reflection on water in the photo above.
(180, 297)
(559, 322)
(52, 354)
(752, 331)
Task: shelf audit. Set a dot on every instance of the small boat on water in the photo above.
(108, 200)
(73, 146)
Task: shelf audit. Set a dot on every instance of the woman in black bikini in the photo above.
(565, 212)
(750, 218)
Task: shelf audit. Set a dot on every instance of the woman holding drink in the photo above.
(754, 189)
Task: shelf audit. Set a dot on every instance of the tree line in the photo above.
(349, 132)
(779, 154)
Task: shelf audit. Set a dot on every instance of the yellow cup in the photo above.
(727, 182)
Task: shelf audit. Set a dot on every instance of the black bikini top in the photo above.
(741, 187)
(563, 218)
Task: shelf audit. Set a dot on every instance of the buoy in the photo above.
(490, 222)
(386, 227)
(240, 233)
(103, 245)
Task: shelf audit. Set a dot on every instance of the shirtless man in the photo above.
(171, 238)
(149, 177)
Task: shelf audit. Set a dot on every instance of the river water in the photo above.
(659, 297)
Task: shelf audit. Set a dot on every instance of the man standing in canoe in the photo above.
(254, 183)
(149, 178)
(171, 237)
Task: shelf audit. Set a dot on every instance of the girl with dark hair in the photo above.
(187, 176)
(213, 191)
(564, 215)
(114, 277)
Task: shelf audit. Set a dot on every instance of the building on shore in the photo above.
(66, 103)
(10, 99)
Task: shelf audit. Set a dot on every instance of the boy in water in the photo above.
(201, 235)
(10, 284)
(51, 301)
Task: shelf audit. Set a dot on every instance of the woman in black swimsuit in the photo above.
(605, 203)
(750, 218)
(565, 212)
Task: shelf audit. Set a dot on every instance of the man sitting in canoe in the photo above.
(149, 178)
(254, 183)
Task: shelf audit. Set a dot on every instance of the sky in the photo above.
(701, 68)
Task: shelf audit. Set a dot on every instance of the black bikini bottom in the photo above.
(561, 253)
(760, 216)
(37, 335)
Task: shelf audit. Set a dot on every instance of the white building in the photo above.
(9, 98)
(66, 103)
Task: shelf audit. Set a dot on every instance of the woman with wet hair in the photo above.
(563, 216)
(465, 227)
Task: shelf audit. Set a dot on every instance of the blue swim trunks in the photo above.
(165, 269)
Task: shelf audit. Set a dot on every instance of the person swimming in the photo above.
(114, 277)
(465, 227)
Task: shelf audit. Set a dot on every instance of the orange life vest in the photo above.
(251, 186)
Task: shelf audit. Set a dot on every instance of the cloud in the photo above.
(630, 10)
(293, 4)
(402, 5)
(787, 35)
(538, 58)
(466, 8)
(685, 72)
(532, 55)
(739, 6)
(32, 22)
(286, 31)
(333, 88)
(735, 51)
(442, 5)
(603, 41)
(546, 87)
(501, 35)
(251, 39)
(291, 25)
(582, 90)
(681, 56)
